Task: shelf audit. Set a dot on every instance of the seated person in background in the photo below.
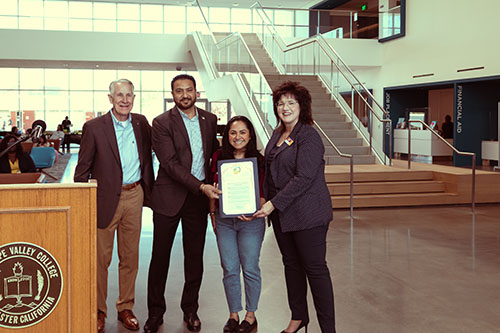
(15, 131)
(16, 160)
(447, 127)
(42, 142)
(58, 134)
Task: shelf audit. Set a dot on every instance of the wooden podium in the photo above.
(48, 245)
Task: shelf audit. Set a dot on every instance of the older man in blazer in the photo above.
(184, 139)
(116, 151)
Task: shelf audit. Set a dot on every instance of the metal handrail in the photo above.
(238, 37)
(462, 153)
(351, 163)
(328, 50)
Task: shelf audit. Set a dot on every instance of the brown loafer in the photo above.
(101, 319)
(128, 319)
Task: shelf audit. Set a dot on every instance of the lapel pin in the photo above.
(289, 141)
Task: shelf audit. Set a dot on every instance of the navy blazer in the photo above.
(171, 146)
(99, 159)
(298, 172)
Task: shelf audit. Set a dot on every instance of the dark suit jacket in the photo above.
(298, 173)
(171, 146)
(99, 159)
(26, 164)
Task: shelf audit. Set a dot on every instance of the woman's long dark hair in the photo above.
(5, 143)
(227, 150)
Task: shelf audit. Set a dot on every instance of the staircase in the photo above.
(384, 189)
(325, 111)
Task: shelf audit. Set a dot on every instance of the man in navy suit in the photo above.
(116, 151)
(184, 140)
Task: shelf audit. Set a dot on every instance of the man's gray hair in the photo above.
(112, 85)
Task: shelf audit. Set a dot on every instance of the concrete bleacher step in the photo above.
(344, 142)
(366, 188)
(375, 176)
(357, 159)
(395, 200)
(354, 150)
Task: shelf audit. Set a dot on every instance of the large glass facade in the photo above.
(80, 94)
(139, 18)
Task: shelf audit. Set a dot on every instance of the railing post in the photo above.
(473, 195)
(351, 161)
(409, 146)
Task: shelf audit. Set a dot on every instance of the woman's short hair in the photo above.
(300, 93)
(5, 143)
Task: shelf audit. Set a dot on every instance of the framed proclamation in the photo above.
(239, 183)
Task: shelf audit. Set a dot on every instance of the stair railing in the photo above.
(324, 61)
(351, 165)
(220, 51)
(461, 153)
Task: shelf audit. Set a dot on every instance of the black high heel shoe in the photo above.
(303, 323)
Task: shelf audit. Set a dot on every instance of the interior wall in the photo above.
(40, 45)
(442, 37)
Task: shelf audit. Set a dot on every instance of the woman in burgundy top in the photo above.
(239, 239)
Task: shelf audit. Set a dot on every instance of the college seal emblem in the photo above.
(31, 284)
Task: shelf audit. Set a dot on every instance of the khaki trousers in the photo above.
(127, 224)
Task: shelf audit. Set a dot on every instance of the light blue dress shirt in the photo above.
(196, 143)
(127, 147)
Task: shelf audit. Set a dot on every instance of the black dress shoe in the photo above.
(246, 327)
(231, 326)
(193, 322)
(152, 324)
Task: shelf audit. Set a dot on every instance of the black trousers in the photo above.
(194, 226)
(304, 255)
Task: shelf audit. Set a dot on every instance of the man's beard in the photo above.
(182, 107)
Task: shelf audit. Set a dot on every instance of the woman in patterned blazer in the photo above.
(299, 206)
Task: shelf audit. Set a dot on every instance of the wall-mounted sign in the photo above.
(31, 284)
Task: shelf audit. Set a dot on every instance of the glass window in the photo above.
(80, 9)
(174, 14)
(175, 28)
(32, 23)
(128, 26)
(151, 13)
(216, 15)
(10, 78)
(56, 79)
(151, 27)
(101, 102)
(80, 79)
(81, 100)
(30, 8)
(151, 104)
(31, 78)
(56, 100)
(53, 118)
(104, 10)
(128, 11)
(55, 9)
(102, 79)
(8, 7)
(31, 100)
(105, 25)
(80, 25)
(8, 22)
(241, 15)
(9, 101)
(56, 24)
(152, 80)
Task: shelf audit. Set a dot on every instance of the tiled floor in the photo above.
(428, 269)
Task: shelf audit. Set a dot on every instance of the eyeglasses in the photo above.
(291, 103)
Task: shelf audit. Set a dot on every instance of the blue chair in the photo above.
(43, 157)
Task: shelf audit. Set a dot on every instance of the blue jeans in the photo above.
(239, 245)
